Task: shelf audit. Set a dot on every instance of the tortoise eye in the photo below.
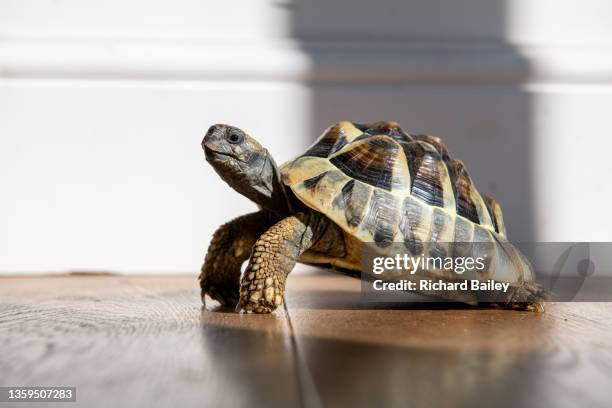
(235, 137)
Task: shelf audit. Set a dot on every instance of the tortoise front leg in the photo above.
(274, 256)
(229, 248)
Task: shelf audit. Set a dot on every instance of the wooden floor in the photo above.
(147, 341)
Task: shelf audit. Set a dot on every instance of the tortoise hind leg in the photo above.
(229, 248)
(530, 296)
(274, 256)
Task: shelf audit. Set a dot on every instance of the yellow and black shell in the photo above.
(382, 185)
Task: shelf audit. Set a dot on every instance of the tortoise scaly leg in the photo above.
(274, 256)
(229, 248)
(530, 297)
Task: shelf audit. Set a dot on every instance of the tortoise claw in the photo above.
(226, 296)
(535, 307)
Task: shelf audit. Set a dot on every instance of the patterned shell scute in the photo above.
(383, 185)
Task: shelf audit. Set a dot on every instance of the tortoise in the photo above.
(358, 183)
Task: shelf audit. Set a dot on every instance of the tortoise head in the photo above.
(245, 165)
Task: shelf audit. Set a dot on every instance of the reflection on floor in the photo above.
(135, 341)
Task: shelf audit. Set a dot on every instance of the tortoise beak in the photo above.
(214, 155)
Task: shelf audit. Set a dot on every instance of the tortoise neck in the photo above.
(269, 192)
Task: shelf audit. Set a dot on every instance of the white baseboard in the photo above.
(332, 62)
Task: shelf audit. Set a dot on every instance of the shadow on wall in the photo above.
(437, 67)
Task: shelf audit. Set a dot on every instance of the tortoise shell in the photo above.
(383, 185)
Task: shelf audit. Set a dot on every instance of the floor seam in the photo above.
(309, 396)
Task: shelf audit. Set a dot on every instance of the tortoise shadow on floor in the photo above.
(263, 365)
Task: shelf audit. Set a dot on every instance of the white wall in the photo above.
(103, 106)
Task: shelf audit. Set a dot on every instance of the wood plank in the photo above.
(131, 341)
(447, 355)
(141, 341)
